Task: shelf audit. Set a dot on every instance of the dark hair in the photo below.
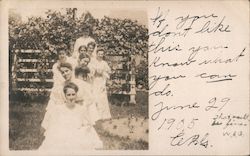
(81, 56)
(61, 49)
(81, 70)
(91, 43)
(100, 49)
(70, 85)
(81, 47)
(65, 64)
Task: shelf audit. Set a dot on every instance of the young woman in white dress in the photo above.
(82, 72)
(68, 125)
(101, 71)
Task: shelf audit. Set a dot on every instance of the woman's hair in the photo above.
(61, 50)
(81, 70)
(81, 56)
(82, 46)
(65, 64)
(70, 85)
(91, 43)
(100, 49)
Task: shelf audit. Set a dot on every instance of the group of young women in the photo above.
(78, 98)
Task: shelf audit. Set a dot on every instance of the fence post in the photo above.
(132, 81)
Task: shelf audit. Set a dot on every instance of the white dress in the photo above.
(67, 129)
(92, 107)
(101, 71)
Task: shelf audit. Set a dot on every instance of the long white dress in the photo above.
(100, 71)
(91, 108)
(67, 129)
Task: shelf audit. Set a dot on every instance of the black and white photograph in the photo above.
(78, 79)
(124, 77)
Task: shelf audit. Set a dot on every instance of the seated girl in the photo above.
(68, 126)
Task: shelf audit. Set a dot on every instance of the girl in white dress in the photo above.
(82, 72)
(68, 126)
(101, 70)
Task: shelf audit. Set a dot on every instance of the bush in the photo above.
(123, 37)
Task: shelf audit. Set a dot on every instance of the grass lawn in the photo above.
(26, 133)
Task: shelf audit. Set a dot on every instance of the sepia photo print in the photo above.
(78, 79)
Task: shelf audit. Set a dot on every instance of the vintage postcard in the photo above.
(124, 77)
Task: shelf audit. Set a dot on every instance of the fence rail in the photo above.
(22, 83)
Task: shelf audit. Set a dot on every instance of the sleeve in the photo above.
(107, 70)
(92, 70)
(55, 98)
(73, 62)
(57, 76)
(56, 95)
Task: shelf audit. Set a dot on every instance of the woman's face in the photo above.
(84, 61)
(66, 73)
(100, 55)
(91, 49)
(70, 94)
(83, 50)
(61, 55)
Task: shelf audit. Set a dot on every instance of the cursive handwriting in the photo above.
(156, 78)
(223, 60)
(166, 108)
(206, 48)
(159, 47)
(216, 77)
(186, 48)
(230, 120)
(233, 134)
(158, 63)
(212, 28)
(164, 92)
(196, 139)
(179, 124)
(158, 19)
(217, 104)
(191, 20)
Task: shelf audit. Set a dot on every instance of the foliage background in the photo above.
(59, 29)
